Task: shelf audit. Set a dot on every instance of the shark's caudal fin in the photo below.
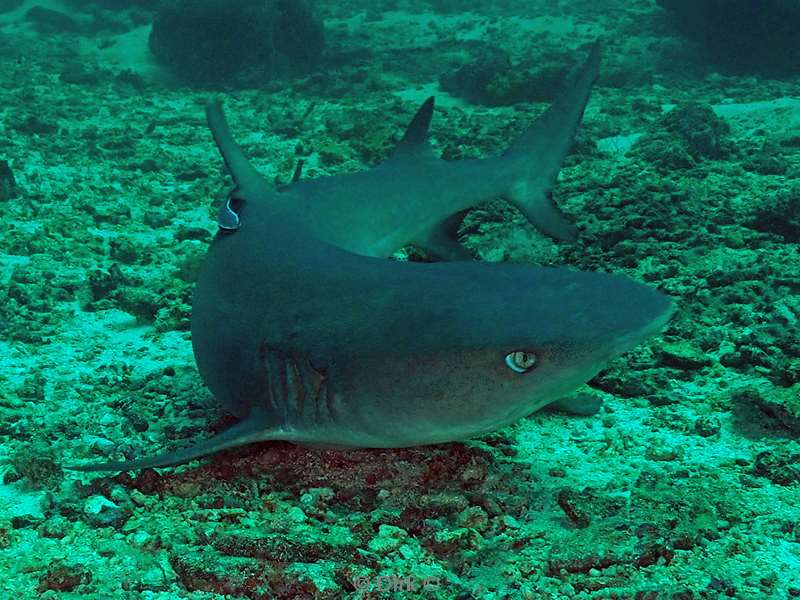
(545, 144)
(251, 429)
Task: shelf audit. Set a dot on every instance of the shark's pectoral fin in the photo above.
(254, 428)
(538, 206)
(578, 404)
(441, 240)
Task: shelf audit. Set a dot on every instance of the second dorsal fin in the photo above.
(415, 141)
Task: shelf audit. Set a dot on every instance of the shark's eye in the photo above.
(228, 217)
(520, 361)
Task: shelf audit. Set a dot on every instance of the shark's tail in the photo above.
(544, 145)
(251, 429)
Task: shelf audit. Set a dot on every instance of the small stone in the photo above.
(7, 182)
(511, 522)
(154, 579)
(473, 517)
(101, 512)
(389, 538)
(707, 426)
(296, 514)
(139, 538)
(683, 356)
(662, 453)
(138, 498)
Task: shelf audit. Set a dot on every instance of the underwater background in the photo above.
(685, 175)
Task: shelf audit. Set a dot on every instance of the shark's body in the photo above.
(307, 340)
(415, 197)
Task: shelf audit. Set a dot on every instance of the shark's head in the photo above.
(411, 353)
(464, 349)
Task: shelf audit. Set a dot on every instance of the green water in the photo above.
(684, 176)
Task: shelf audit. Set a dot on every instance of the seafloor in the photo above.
(686, 485)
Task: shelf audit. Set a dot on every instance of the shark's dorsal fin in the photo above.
(415, 142)
(247, 178)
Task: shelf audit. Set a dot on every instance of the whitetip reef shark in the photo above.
(415, 197)
(302, 335)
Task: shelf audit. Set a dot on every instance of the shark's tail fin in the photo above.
(545, 144)
(251, 429)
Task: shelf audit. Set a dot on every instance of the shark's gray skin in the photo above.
(309, 343)
(415, 197)
(306, 341)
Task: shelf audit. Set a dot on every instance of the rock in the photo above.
(8, 184)
(101, 512)
(707, 426)
(779, 215)
(47, 20)
(492, 79)
(683, 356)
(389, 539)
(9, 5)
(779, 467)
(742, 35)
(206, 42)
(779, 403)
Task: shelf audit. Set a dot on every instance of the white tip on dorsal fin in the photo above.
(415, 142)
